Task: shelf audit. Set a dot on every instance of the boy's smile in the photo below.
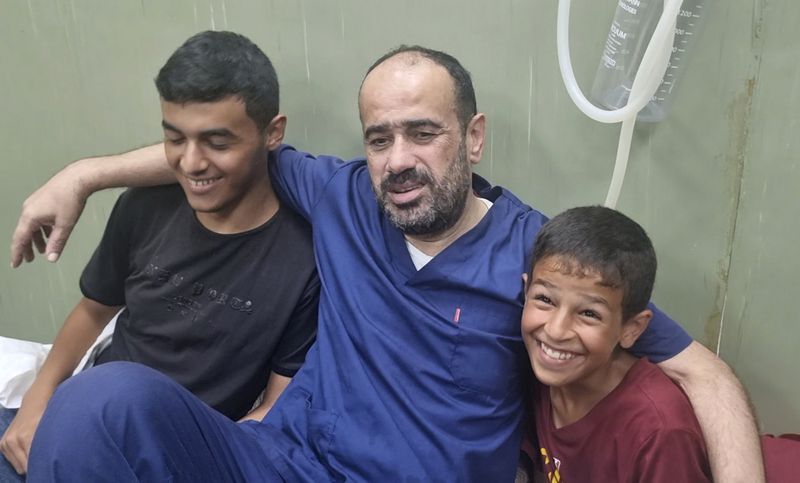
(219, 155)
(571, 324)
(555, 354)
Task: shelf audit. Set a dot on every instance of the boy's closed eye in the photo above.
(591, 314)
(217, 145)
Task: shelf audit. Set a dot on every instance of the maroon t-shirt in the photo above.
(781, 456)
(643, 431)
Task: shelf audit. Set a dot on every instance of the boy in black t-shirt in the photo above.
(216, 278)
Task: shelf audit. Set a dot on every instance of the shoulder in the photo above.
(516, 210)
(321, 173)
(662, 405)
(147, 205)
(293, 226)
(286, 239)
(513, 224)
(152, 197)
(289, 155)
(662, 428)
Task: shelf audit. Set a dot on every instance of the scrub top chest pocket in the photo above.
(487, 350)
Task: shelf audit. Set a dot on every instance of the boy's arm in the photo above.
(723, 410)
(51, 212)
(275, 386)
(80, 330)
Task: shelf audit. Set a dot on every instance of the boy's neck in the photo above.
(573, 401)
(256, 208)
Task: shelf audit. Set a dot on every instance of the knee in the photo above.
(101, 409)
(107, 397)
(115, 385)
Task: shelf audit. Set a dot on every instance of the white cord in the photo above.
(645, 84)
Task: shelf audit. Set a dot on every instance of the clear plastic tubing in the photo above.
(645, 84)
(648, 78)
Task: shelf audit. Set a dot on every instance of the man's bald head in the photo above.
(463, 92)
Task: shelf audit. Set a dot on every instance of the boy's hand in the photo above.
(16, 442)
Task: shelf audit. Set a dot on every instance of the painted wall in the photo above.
(716, 185)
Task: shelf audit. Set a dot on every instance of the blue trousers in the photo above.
(7, 472)
(124, 422)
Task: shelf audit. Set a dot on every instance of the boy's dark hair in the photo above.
(211, 66)
(604, 241)
(466, 106)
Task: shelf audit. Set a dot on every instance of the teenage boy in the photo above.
(602, 414)
(217, 278)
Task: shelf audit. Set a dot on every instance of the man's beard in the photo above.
(436, 211)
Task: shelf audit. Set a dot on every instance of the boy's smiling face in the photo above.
(572, 323)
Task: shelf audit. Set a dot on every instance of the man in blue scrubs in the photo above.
(415, 375)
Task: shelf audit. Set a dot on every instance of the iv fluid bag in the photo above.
(631, 29)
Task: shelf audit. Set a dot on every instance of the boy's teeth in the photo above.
(201, 182)
(562, 356)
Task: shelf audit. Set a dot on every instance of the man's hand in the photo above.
(16, 442)
(50, 213)
(47, 219)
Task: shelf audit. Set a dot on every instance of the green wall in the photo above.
(716, 185)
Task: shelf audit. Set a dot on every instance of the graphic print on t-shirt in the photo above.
(551, 466)
(200, 295)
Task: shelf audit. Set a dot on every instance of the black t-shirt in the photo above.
(214, 312)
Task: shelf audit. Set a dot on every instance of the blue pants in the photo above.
(7, 472)
(121, 422)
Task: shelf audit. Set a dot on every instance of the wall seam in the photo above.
(742, 158)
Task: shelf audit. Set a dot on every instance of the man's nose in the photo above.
(401, 156)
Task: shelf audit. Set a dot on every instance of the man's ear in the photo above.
(476, 135)
(275, 131)
(633, 328)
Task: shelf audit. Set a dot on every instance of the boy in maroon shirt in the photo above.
(600, 413)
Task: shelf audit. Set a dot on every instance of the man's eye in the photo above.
(378, 143)
(218, 146)
(173, 141)
(543, 298)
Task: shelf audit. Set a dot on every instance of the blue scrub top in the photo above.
(415, 375)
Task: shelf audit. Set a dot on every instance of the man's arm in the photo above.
(275, 387)
(80, 330)
(51, 212)
(723, 410)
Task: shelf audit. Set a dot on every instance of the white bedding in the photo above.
(20, 361)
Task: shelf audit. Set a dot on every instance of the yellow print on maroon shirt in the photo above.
(551, 466)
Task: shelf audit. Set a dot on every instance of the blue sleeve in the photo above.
(662, 340)
(300, 178)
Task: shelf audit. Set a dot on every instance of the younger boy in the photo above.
(217, 278)
(601, 414)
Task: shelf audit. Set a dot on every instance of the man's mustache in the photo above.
(403, 177)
